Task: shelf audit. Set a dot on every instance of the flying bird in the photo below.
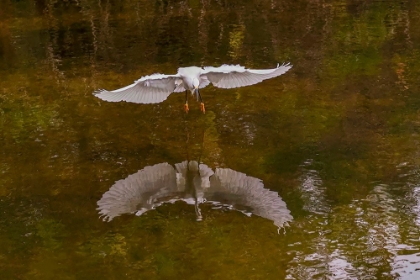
(157, 87)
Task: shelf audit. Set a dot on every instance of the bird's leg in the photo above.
(202, 103)
(186, 102)
(199, 217)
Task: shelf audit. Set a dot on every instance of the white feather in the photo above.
(157, 87)
(149, 89)
(232, 76)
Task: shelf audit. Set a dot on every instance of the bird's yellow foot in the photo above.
(202, 108)
(186, 108)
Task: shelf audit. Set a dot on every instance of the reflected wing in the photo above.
(232, 76)
(139, 192)
(232, 189)
(149, 89)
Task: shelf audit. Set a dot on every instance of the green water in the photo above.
(337, 137)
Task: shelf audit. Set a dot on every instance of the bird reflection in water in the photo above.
(194, 184)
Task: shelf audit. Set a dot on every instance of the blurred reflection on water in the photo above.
(194, 184)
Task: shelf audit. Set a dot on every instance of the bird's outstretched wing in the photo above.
(149, 89)
(232, 76)
(139, 192)
(247, 195)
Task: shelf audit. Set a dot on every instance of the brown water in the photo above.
(337, 137)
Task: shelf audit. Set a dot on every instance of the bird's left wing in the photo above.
(149, 89)
(232, 76)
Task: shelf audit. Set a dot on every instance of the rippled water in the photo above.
(336, 138)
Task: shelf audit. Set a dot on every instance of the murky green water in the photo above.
(337, 137)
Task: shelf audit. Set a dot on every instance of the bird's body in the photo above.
(157, 87)
(188, 75)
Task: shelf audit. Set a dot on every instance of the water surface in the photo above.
(336, 137)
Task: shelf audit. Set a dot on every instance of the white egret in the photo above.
(157, 87)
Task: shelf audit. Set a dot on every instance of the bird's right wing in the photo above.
(149, 89)
(233, 76)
